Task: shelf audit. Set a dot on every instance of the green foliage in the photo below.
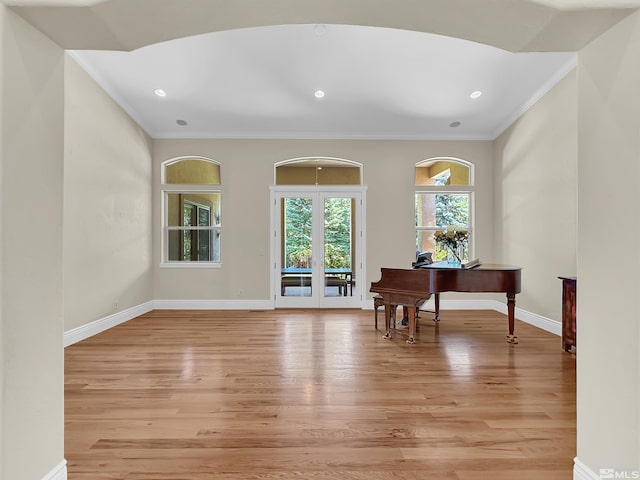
(297, 231)
(336, 257)
(299, 258)
(452, 210)
(337, 232)
(298, 212)
(440, 254)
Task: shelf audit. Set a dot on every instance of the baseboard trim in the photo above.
(83, 332)
(548, 324)
(212, 305)
(93, 328)
(544, 323)
(58, 473)
(582, 472)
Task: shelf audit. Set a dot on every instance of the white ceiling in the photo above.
(248, 68)
(379, 83)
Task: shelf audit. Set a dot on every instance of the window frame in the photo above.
(448, 190)
(214, 228)
(188, 189)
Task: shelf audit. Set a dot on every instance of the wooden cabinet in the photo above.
(568, 313)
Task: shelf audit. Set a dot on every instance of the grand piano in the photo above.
(412, 287)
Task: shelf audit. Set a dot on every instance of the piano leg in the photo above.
(511, 310)
(412, 323)
(387, 319)
(436, 300)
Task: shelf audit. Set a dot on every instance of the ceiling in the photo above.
(241, 69)
(378, 83)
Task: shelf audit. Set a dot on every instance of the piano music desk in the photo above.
(412, 287)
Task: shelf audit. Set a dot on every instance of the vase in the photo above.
(455, 255)
(452, 257)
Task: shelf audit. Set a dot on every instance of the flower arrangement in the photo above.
(454, 239)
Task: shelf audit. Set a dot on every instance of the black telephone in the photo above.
(422, 259)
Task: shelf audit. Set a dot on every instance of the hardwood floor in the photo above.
(318, 394)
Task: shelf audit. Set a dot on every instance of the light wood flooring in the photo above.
(319, 395)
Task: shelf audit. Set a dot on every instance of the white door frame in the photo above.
(316, 300)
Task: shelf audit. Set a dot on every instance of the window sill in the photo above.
(191, 265)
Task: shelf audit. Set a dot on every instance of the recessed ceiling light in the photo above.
(320, 29)
(454, 124)
(475, 94)
(182, 123)
(159, 92)
(319, 93)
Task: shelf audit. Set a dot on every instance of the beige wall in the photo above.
(388, 173)
(107, 204)
(3, 410)
(536, 197)
(608, 255)
(31, 308)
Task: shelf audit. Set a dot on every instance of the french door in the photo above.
(317, 246)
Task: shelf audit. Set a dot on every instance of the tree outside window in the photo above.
(337, 229)
(442, 199)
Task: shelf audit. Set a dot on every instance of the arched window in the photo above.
(318, 171)
(444, 202)
(191, 211)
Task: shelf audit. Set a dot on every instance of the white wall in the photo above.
(247, 172)
(608, 373)
(536, 197)
(3, 411)
(107, 204)
(31, 309)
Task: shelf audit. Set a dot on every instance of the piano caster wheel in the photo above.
(411, 341)
(387, 336)
(512, 339)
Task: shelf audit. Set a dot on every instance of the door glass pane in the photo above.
(296, 246)
(338, 250)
